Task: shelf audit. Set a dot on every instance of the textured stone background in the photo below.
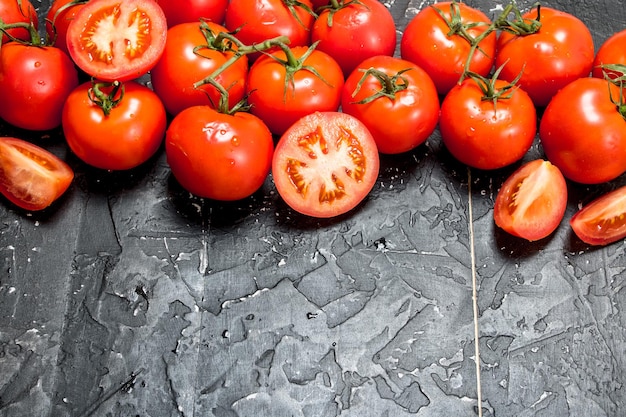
(131, 298)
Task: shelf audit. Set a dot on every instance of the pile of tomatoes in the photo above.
(312, 91)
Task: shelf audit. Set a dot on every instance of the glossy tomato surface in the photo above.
(219, 156)
(58, 19)
(483, 134)
(602, 221)
(399, 120)
(561, 51)
(30, 176)
(177, 12)
(532, 201)
(117, 40)
(612, 51)
(14, 11)
(583, 133)
(325, 164)
(125, 138)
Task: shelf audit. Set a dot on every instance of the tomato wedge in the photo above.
(532, 201)
(602, 221)
(325, 164)
(31, 177)
(117, 40)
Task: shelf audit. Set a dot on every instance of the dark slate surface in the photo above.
(131, 298)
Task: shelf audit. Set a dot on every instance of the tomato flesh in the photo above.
(603, 221)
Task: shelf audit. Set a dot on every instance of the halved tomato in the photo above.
(117, 40)
(325, 164)
(30, 176)
(602, 221)
(532, 201)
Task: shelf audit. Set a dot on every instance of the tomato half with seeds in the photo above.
(325, 164)
(603, 221)
(117, 40)
(31, 177)
(532, 201)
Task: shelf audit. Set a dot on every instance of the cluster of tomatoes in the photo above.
(312, 91)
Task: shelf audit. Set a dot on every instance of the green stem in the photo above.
(106, 101)
(390, 85)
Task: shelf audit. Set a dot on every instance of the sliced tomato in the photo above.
(602, 221)
(532, 201)
(31, 177)
(117, 40)
(325, 164)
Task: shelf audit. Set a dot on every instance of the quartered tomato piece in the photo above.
(325, 164)
(602, 221)
(532, 201)
(117, 40)
(31, 177)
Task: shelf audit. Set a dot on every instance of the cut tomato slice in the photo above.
(325, 164)
(532, 201)
(117, 40)
(603, 221)
(31, 177)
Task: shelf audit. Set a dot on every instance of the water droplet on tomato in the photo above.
(235, 141)
(37, 64)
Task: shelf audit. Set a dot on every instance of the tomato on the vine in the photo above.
(325, 164)
(395, 99)
(219, 156)
(351, 31)
(58, 19)
(114, 40)
(193, 10)
(30, 176)
(603, 220)
(583, 131)
(612, 51)
(114, 126)
(435, 40)
(532, 201)
(14, 11)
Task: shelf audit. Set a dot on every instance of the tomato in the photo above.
(14, 11)
(193, 11)
(532, 201)
(432, 40)
(31, 177)
(117, 40)
(34, 83)
(561, 51)
(220, 156)
(180, 66)
(583, 132)
(58, 19)
(352, 30)
(612, 51)
(603, 221)
(325, 164)
(486, 132)
(404, 106)
(128, 136)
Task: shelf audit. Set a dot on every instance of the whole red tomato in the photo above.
(193, 10)
(559, 52)
(487, 124)
(220, 156)
(395, 99)
(352, 30)
(114, 127)
(34, 83)
(583, 132)
(183, 64)
(14, 11)
(434, 40)
(58, 19)
(292, 83)
(612, 51)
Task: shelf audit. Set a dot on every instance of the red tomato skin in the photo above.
(179, 68)
(612, 51)
(11, 12)
(31, 177)
(603, 220)
(532, 201)
(58, 20)
(483, 135)
(280, 104)
(219, 156)
(119, 62)
(312, 154)
(398, 125)
(34, 81)
(126, 138)
(426, 43)
(583, 134)
(194, 10)
(560, 52)
(359, 30)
